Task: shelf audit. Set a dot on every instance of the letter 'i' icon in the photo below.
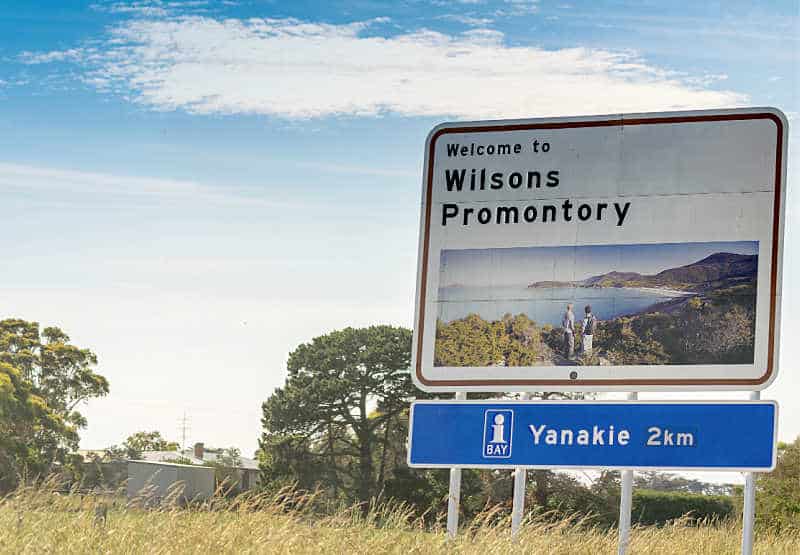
(498, 427)
(497, 433)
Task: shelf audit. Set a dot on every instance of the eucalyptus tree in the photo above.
(43, 381)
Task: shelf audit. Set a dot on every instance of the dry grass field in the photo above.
(36, 521)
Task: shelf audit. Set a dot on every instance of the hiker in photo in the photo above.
(589, 323)
(568, 325)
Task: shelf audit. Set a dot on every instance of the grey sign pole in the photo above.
(520, 477)
(626, 502)
(749, 513)
(454, 496)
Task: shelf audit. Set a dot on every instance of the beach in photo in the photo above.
(668, 303)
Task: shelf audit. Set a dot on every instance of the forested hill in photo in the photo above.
(721, 269)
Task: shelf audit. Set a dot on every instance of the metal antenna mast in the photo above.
(183, 428)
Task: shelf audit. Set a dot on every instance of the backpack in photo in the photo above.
(590, 324)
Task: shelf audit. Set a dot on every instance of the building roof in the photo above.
(244, 462)
(168, 456)
(164, 463)
(209, 456)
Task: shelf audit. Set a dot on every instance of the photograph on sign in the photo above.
(675, 303)
(612, 252)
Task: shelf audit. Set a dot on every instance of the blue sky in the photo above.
(524, 265)
(193, 188)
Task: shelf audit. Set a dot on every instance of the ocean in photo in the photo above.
(546, 305)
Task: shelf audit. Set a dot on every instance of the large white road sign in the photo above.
(625, 252)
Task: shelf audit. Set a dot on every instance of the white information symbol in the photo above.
(498, 428)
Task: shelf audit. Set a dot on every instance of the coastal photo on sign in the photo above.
(597, 305)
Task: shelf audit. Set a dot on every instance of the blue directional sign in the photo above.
(626, 435)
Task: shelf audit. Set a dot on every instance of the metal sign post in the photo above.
(453, 499)
(626, 502)
(520, 477)
(749, 513)
(454, 495)
(518, 507)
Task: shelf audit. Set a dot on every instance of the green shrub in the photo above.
(658, 507)
(778, 494)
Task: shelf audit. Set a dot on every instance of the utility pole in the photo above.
(183, 429)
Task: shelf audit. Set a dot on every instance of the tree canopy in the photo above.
(58, 371)
(336, 417)
(43, 381)
(138, 442)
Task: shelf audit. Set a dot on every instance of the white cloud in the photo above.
(70, 55)
(706, 79)
(19, 178)
(523, 6)
(16, 82)
(467, 19)
(139, 8)
(296, 69)
(150, 8)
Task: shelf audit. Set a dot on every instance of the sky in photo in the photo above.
(193, 188)
(522, 266)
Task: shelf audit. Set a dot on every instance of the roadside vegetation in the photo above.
(334, 477)
(36, 520)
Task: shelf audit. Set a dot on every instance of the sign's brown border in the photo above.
(503, 383)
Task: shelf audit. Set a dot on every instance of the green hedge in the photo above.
(657, 507)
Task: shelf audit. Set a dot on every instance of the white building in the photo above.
(152, 482)
(246, 471)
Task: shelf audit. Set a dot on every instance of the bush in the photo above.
(778, 494)
(658, 507)
(473, 341)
